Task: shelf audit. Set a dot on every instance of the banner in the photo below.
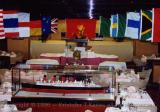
(114, 26)
(23, 22)
(121, 25)
(10, 19)
(105, 26)
(35, 28)
(133, 25)
(81, 28)
(146, 26)
(156, 25)
(2, 33)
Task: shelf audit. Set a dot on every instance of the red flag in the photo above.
(87, 25)
(35, 28)
(2, 33)
(156, 26)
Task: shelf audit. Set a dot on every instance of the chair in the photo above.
(27, 110)
(4, 62)
(88, 110)
(144, 78)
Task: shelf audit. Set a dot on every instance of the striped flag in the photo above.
(35, 28)
(23, 22)
(114, 26)
(133, 25)
(2, 33)
(10, 19)
(54, 25)
(146, 26)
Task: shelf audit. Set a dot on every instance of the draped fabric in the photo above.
(156, 25)
(121, 25)
(10, 20)
(35, 28)
(146, 25)
(133, 25)
(81, 28)
(23, 23)
(105, 26)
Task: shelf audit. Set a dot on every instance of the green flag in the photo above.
(121, 25)
(104, 27)
(146, 25)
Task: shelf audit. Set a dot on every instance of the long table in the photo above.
(63, 60)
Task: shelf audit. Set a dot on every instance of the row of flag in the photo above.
(18, 24)
(143, 25)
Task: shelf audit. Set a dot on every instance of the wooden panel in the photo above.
(156, 73)
(18, 45)
(145, 48)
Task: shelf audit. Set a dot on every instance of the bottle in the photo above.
(118, 89)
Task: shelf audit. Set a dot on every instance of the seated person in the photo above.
(45, 79)
(53, 79)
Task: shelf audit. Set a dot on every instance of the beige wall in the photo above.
(123, 49)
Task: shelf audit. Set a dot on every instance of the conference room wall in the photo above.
(125, 50)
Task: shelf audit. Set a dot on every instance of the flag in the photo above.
(114, 26)
(10, 19)
(88, 26)
(121, 25)
(105, 26)
(133, 25)
(35, 28)
(156, 25)
(146, 25)
(54, 25)
(46, 25)
(2, 33)
(23, 22)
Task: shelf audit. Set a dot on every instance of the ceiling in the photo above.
(77, 8)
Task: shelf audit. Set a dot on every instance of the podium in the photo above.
(79, 42)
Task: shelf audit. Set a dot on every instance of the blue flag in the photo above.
(46, 25)
(133, 25)
(114, 26)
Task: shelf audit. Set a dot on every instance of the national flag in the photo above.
(75, 25)
(23, 22)
(54, 25)
(114, 26)
(146, 25)
(156, 24)
(46, 25)
(133, 25)
(105, 26)
(10, 19)
(35, 28)
(121, 25)
(2, 33)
